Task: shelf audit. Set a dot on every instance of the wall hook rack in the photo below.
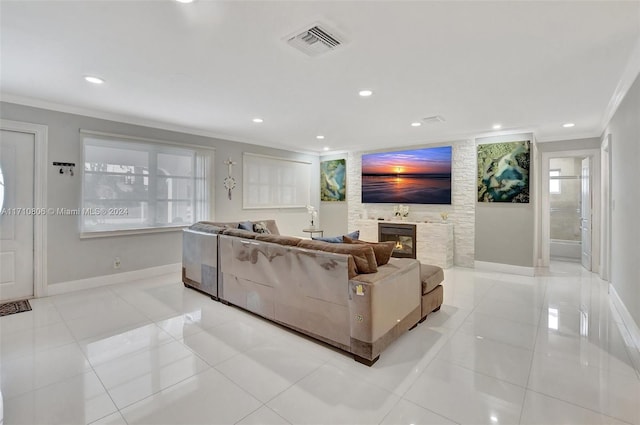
(64, 165)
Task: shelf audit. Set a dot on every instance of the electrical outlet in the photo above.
(116, 263)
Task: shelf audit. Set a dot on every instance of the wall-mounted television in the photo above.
(417, 176)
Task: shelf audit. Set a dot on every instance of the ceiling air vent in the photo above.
(434, 119)
(314, 41)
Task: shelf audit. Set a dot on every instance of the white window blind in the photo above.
(270, 182)
(133, 184)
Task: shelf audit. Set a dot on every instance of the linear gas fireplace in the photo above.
(404, 235)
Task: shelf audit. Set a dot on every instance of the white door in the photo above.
(585, 215)
(16, 221)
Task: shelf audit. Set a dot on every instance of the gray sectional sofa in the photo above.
(313, 287)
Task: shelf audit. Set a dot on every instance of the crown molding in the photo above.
(128, 119)
(629, 75)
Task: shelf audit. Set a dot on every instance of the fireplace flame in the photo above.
(398, 245)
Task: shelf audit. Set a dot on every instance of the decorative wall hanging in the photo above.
(333, 180)
(229, 181)
(503, 172)
(417, 176)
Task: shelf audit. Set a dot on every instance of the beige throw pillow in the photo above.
(382, 250)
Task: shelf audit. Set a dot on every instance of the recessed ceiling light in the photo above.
(93, 80)
(365, 93)
(568, 125)
(184, 1)
(320, 137)
(497, 126)
(416, 124)
(258, 120)
(326, 148)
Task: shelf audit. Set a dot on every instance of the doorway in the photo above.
(570, 207)
(23, 212)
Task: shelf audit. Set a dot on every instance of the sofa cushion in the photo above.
(279, 239)
(363, 255)
(240, 233)
(385, 271)
(382, 250)
(337, 239)
(431, 276)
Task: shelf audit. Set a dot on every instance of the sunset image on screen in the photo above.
(419, 176)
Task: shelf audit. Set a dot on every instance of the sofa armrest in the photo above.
(200, 260)
(379, 301)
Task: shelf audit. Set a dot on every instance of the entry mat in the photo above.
(14, 307)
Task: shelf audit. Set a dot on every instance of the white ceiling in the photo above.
(212, 66)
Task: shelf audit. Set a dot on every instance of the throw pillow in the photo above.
(261, 227)
(364, 257)
(382, 250)
(330, 239)
(354, 235)
(246, 225)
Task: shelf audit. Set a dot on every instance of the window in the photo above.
(135, 184)
(554, 182)
(270, 182)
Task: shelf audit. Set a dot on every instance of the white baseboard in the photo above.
(111, 279)
(504, 268)
(629, 323)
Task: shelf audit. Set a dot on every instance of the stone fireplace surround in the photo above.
(434, 241)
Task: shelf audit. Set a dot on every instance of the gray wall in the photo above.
(624, 129)
(505, 232)
(70, 258)
(333, 215)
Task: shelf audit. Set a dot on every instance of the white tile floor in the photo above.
(503, 349)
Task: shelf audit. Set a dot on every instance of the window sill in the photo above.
(127, 232)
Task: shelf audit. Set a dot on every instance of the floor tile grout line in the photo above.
(97, 377)
(390, 410)
(264, 404)
(159, 391)
(65, 379)
(433, 358)
(422, 407)
(258, 408)
(77, 342)
(579, 406)
(533, 354)
(484, 374)
(133, 378)
(494, 340)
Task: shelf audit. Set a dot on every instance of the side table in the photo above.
(311, 231)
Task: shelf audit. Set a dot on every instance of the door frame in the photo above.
(40, 136)
(605, 182)
(596, 206)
